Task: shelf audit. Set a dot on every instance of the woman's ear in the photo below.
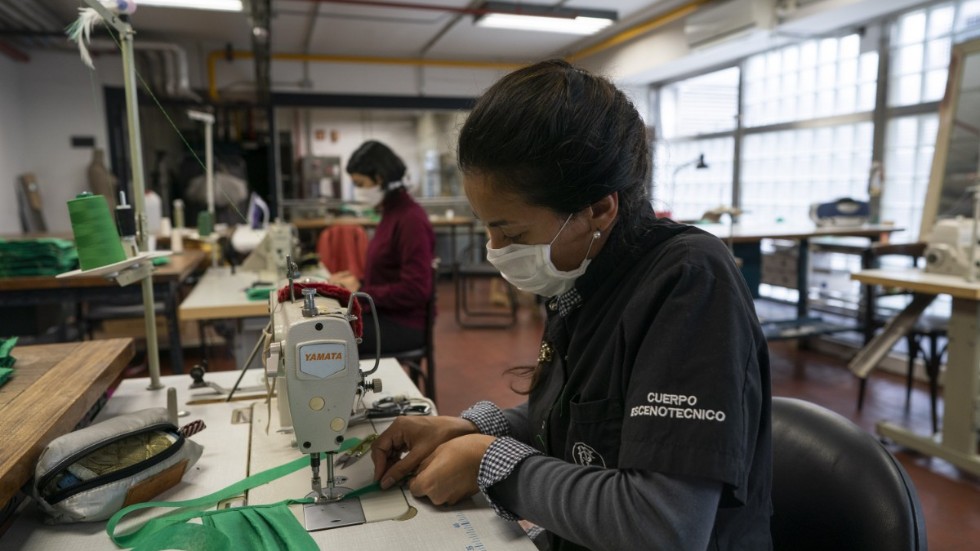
(604, 211)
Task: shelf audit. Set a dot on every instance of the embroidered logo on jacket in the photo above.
(585, 455)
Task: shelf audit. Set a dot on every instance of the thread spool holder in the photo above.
(125, 30)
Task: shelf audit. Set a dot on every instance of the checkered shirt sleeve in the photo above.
(488, 419)
(500, 460)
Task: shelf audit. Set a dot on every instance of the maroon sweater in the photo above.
(398, 271)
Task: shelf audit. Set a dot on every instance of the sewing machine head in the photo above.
(315, 353)
(949, 251)
(270, 247)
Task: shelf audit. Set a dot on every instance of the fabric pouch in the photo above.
(91, 473)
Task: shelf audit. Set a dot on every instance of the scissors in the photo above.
(352, 455)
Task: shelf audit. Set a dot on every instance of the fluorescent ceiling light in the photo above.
(531, 17)
(213, 5)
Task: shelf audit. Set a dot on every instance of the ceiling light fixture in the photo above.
(212, 5)
(534, 17)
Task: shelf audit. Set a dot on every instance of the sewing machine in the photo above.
(276, 242)
(948, 250)
(312, 352)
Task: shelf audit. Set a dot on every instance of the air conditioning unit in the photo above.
(728, 19)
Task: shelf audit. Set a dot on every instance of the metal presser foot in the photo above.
(330, 510)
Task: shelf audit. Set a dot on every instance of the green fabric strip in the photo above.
(143, 533)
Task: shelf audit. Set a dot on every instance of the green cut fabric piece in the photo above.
(270, 527)
(35, 257)
(6, 346)
(258, 293)
(254, 527)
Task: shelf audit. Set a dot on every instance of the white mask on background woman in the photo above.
(375, 194)
(530, 268)
(371, 196)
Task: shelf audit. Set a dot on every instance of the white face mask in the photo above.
(369, 195)
(529, 267)
(375, 194)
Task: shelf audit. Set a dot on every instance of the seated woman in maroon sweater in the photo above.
(398, 271)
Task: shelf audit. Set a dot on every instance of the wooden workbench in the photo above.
(52, 388)
(167, 282)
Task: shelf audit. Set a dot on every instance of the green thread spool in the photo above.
(96, 237)
(204, 224)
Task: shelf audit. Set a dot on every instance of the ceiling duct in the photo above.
(729, 19)
(161, 63)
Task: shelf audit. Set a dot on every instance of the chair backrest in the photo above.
(836, 487)
(343, 247)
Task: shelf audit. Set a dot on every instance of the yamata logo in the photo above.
(323, 356)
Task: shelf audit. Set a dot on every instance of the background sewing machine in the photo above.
(949, 250)
(277, 242)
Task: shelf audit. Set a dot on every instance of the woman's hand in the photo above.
(449, 473)
(417, 435)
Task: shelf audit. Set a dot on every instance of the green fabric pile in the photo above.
(6, 360)
(37, 257)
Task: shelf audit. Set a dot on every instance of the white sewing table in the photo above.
(227, 458)
(220, 295)
(957, 442)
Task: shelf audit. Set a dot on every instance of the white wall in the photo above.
(397, 130)
(12, 147)
(43, 103)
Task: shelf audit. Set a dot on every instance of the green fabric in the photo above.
(6, 360)
(253, 528)
(35, 257)
(258, 293)
(6, 346)
(160, 260)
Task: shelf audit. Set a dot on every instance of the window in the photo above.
(689, 110)
(920, 49)
(909, 144)
(700, 105)
(784, 172)
(818, 78)
(683, 189)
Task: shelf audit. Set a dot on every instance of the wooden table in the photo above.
(52, 388)
(745, 241)
(957, 441)
(167, 279)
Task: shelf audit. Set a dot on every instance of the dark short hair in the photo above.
(376, 160)
(560, 138)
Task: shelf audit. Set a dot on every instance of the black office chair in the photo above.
(926, 329)
(835, 486)
(413, 359)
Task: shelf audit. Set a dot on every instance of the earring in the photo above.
(596, 234)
